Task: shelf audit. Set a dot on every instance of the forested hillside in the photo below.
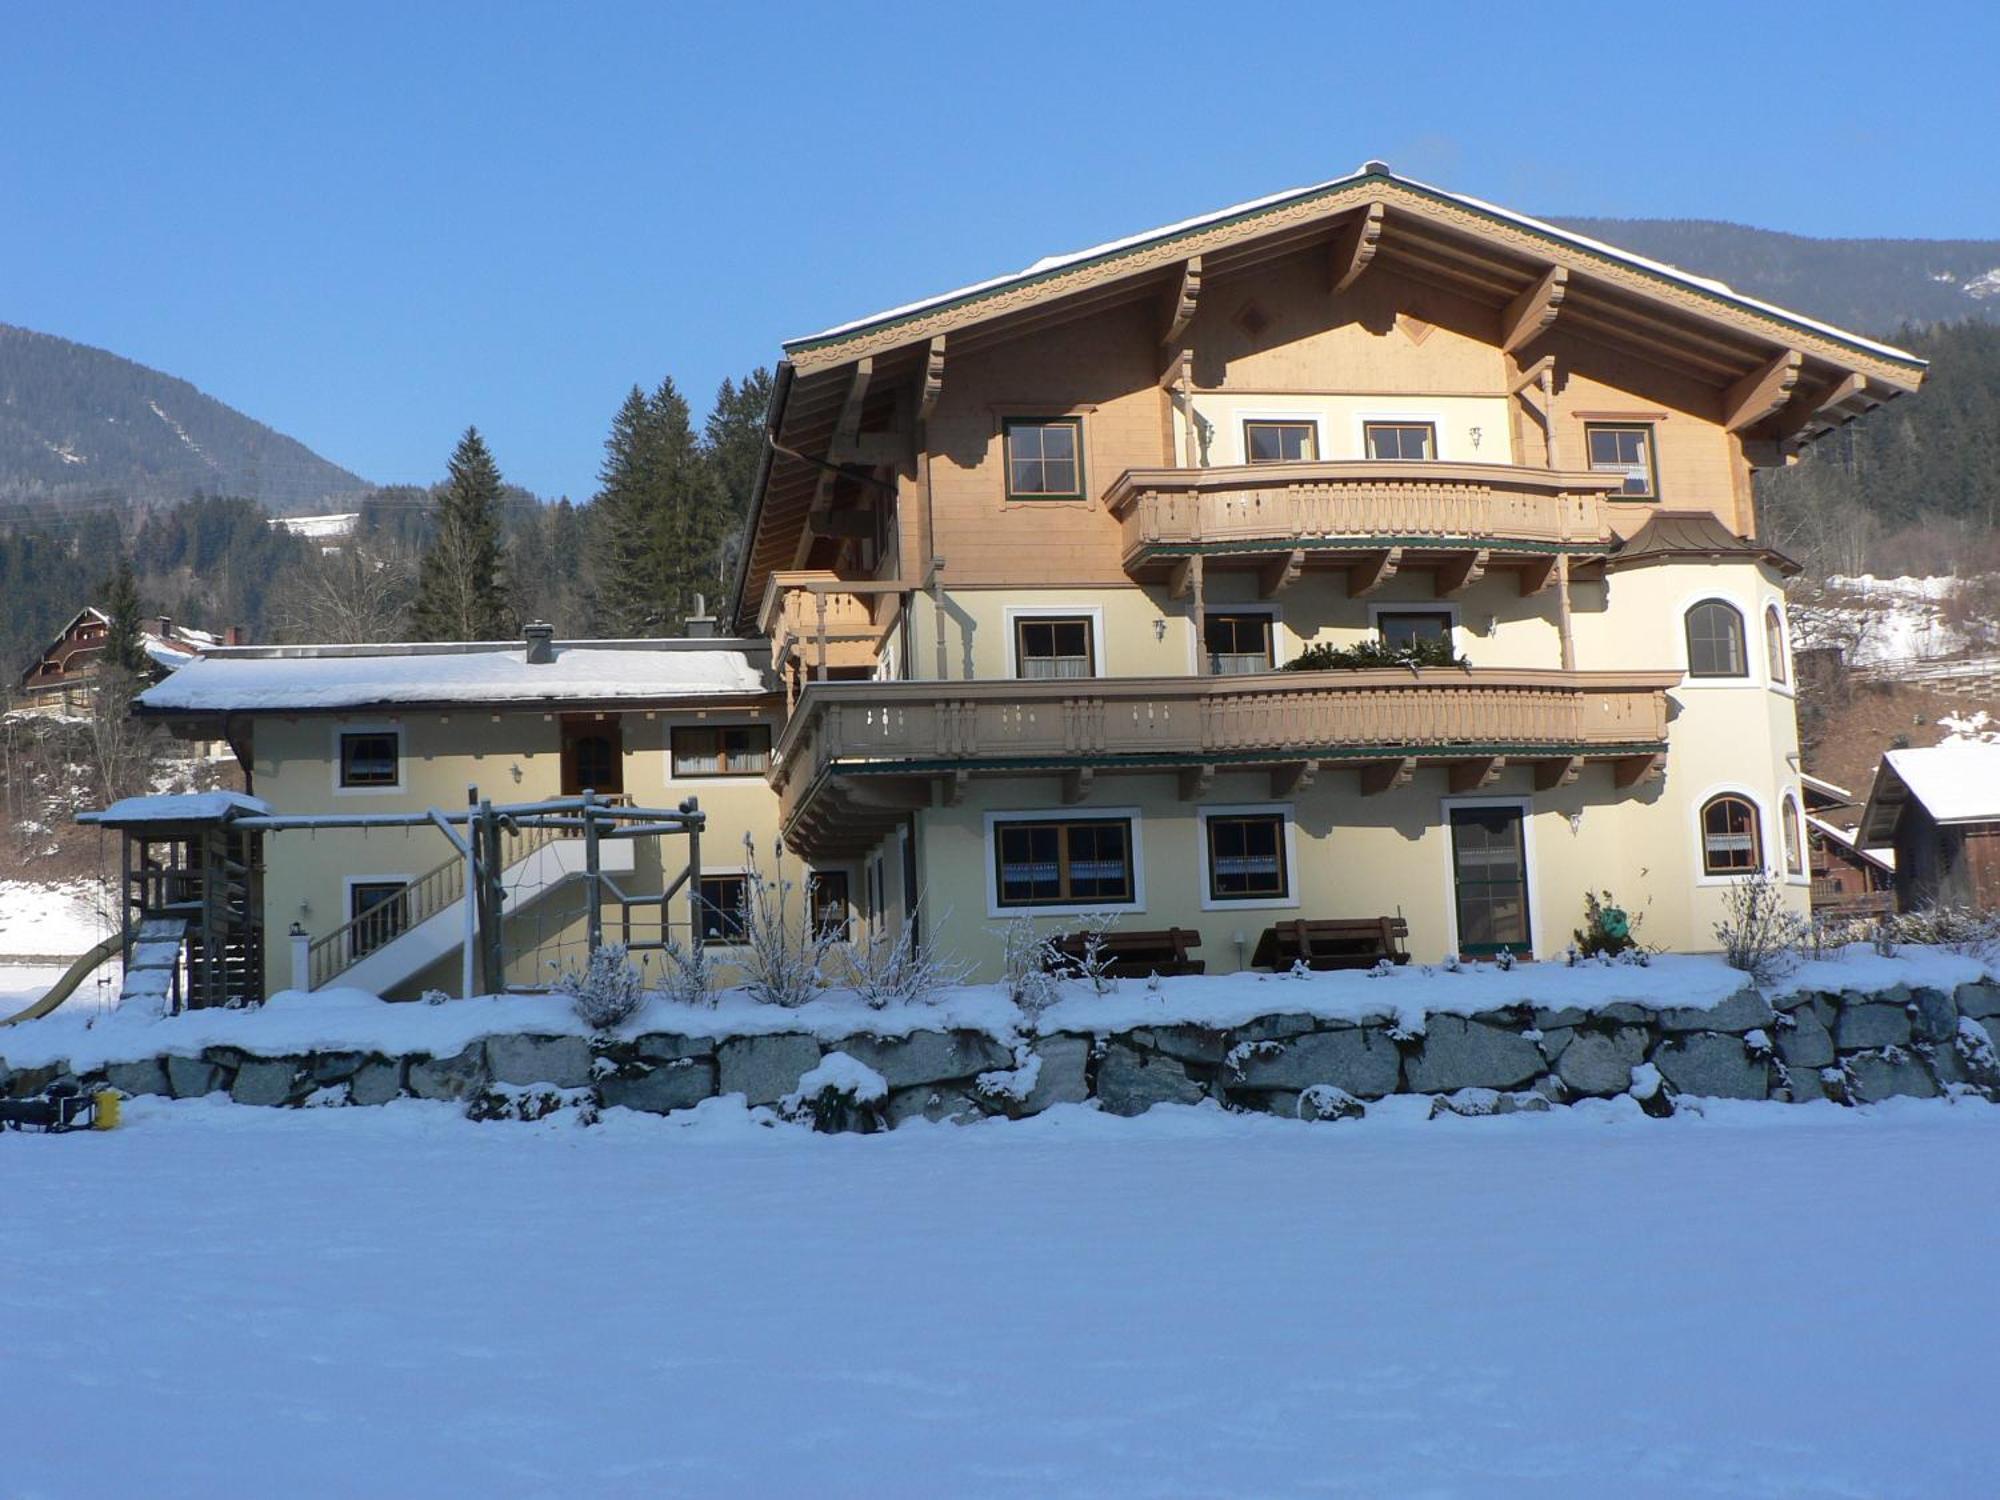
(79, 424)
(1868, 285)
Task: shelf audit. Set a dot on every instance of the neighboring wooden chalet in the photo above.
(1940, 809)
(1847, 879)
(60, 680)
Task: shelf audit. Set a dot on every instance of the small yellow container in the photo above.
(108, 1107)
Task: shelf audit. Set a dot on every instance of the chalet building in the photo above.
(1940, 810)
(1078, 582)
(60, 680)
(1362, 560)
(324, 732)
(1848, 880)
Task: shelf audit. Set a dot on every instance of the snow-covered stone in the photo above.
(671, 1046)
(1460, 1054)
(1871, 1025)
(928, 1056)
(1805, 1044)
(1061, 1078)
(1888, 1074)
(1933, 1018)
(1360, 1060)
(147, 1076)
(1599, 1064)
(763, 1069)
(267, 1081)
(660, 1090)
(376, 1081)
(1712, 1064)
(1130, 1082)
(936, 1102)
(562, 1062)
(1980, 1001)
(459, 1076)
(1746, 1010)
(192, 1077)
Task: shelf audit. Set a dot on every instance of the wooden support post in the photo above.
(1562, 614)
(592, 871)
(819, 604)
(692, 805)
(467, 973)
(1195, 584)
(492, 946)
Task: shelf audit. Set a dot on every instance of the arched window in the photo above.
(1794, 858)
(1774, 641)
(1715, 640)
(1731, 842)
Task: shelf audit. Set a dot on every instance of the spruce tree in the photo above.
(732, 448)
(461, 595)
(621, 530)
(124, 640)
(655, 526)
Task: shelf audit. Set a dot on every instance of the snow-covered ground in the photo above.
(219, 1301)
(50, 920)
(1888, 619)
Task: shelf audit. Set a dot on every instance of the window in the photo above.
(1774, 641)
(1626, 450)
(1402, 628)
(1044, 458)
(1052, 646)
(1731, 843)
(1280, 442)
(826, 898)
(722, 750)
(1788, 831)
(370, 759)
(1063, 863)
(1489, 859)
(1400, 439)
(723, 899)
(1237, 644)
(1246, 857)
(379, 910)
(1715, 640)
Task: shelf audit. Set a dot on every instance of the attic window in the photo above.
(1627, 449)
(1044, 458)
(370, 759)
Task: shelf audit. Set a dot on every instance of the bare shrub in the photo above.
(688, 977)
(1957, 929)
(1093, 963)
(784, 958)
(1759, 935)
(1031, 965)
(905, 969)
(608, 989)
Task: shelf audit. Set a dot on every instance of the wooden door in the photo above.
(593, 754)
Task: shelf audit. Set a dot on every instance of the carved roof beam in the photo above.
(1476, 775)
(1280, 573)
(1458, 573)
(930, 383)
(1763, 392)
(1366, 577)
(1386, 776)
(1181, 313)
(1355, 244)
(1530, 314)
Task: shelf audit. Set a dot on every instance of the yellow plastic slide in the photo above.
(73, 976)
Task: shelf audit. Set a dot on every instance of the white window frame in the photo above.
(1093, 612)
(1317, 419)
(1789, 686)
(1755, 676)
(1288, 901)
(387, 726)
(1792, 798)
(347, 913)
(1366, 419)
(1526, 807)
(1771, 862)
(1419, 607)
(1198, 652)
(988, 841)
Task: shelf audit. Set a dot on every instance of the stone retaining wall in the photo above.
(1849, 1047)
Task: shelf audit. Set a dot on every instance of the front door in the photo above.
(593, 755)
(1489, 861)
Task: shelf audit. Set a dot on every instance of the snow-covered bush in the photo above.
(1323, 1101)
(1504, 960)
(688, 977)
(1093, 964)
(1827, 935)
(841, 1093)
(901, 970)
(1759, 934)
(434, 997)
(607, 990)
(1976, 934)
(784, 952)
(1030, 965)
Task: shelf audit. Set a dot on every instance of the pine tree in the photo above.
(622, 529)
(461, 594)
(655, 526)
(124, 643)
(733, 448)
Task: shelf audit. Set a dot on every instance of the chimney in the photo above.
(541, 638)
(700, 624)
(166, 623)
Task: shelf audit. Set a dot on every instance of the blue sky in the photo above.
(370, 224)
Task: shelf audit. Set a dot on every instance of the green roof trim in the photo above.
(1174, 760)
(1371, 540)
(1312, 195)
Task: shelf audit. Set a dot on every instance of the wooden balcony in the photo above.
(812, 618)
(856, 758)
(1365, 520)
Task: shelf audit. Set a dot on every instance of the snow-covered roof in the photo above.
(304, 679)
(1886, 858)
(1052, 263)
(1832, 792)
(184, 807)
(1957, 781)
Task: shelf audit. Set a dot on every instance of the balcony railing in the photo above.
(1268, 508)
(809, 617)
(1149, 723)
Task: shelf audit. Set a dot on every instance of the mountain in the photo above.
(1868, 286)
(79, 424)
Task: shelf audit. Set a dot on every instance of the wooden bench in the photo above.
(1136, 955)
(1336, 943)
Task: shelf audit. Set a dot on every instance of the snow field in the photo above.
(1758, 1302)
